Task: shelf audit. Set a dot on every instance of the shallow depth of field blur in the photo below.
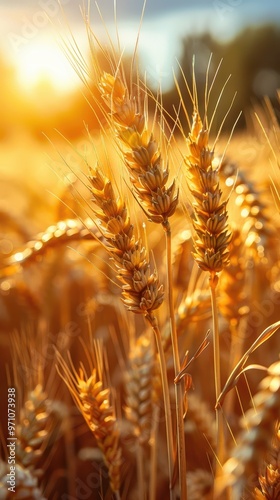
(58, 295)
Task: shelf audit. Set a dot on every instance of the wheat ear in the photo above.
(141, 291)
(200, 417)
(141, 387)
(257, 228)
(93, 399)
(141, 151)
(64, 232)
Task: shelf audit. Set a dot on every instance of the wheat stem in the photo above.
(153, 461)
(166, 399)
(140, 472)
(217, 369)
(176, 360)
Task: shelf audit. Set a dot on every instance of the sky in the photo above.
(29, 39)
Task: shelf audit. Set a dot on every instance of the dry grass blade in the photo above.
(205, 343)
(239, 368)
(258, 423)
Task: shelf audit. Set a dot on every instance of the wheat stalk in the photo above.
(142, 293)
(211, 233)
(149, 177)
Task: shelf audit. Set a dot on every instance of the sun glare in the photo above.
(43, 62)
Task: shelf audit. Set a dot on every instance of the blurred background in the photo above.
(40, 90)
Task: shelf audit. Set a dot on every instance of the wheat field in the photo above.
(140, 286)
